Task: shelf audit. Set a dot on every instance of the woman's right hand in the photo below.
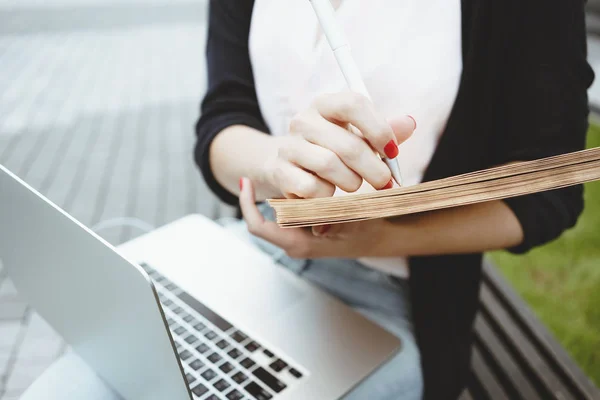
(323, 152)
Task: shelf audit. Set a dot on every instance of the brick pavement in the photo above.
(97, 103)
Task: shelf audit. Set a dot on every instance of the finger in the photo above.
(293, 181)
(403, 127)
(351, 149)
(320, 230)
(323, 162)
(257, 224)
(328, 231)
(358, 110)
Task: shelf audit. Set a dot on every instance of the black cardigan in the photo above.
(522, 95)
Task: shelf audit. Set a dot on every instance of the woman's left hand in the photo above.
(349, 240)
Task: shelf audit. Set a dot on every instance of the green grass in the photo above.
(561, 281)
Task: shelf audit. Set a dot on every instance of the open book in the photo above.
(516, 179)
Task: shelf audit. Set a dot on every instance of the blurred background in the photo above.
(98, 99)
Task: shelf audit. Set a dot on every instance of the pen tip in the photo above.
(395, 170)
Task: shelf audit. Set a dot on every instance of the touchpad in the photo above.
(266, 294)
(252, 292)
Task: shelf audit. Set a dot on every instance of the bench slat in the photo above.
(486, 377)
(513, 375)
(559, 373)
(466, 395)
(543, 376)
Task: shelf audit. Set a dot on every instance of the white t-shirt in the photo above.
(409, 53)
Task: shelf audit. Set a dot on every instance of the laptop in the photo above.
(187, 311)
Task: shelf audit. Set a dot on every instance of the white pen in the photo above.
(341, 49)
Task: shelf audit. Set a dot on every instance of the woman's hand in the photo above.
(350, 240)
(461, 230)
(322, 152)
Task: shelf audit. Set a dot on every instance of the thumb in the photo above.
(403, 127)
(329, 230)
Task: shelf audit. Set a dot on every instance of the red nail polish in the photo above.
(391, 149)
(324, 229)
(414, 121)
(241, 183)
(389, 185)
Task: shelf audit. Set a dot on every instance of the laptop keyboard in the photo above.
(220, 361)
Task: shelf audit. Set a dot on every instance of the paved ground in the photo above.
(97, 105)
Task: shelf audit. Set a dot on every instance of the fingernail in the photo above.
(389, 185)
(241, 184)
(391, 149)
(324, 229)
(414, 121)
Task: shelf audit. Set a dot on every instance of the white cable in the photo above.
(121, 221)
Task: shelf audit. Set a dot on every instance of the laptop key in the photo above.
(188, 318)
(268, 379)
(210, 335)
(209, 374)
(257, 391)
(178, 310)
(214, 358)
(222, 344)
(221, 385)
(239, 378)
(170, 321)
(239, 336)
(145, 266)
(191, 339)
(226, 367)
(200, 390)
(234, 395)
(247, 363)
(190, 379)
(206, 312)
(179, 330)
(202, 348)
(252, 346)
(234, 353)
(295, 373)
(171, 286)
(268, 353)
(185, 355)
(278, 365)
(199, 326)
(212, 397)
(196, 365)
(167, 303)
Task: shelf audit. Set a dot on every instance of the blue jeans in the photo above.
(374, 294)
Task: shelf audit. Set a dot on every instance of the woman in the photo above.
(487, 82)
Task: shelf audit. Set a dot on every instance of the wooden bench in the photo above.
(514, 355)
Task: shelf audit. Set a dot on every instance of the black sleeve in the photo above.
(547, 108)
(231, 97)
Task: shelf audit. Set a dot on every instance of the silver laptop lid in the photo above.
(105, 307)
